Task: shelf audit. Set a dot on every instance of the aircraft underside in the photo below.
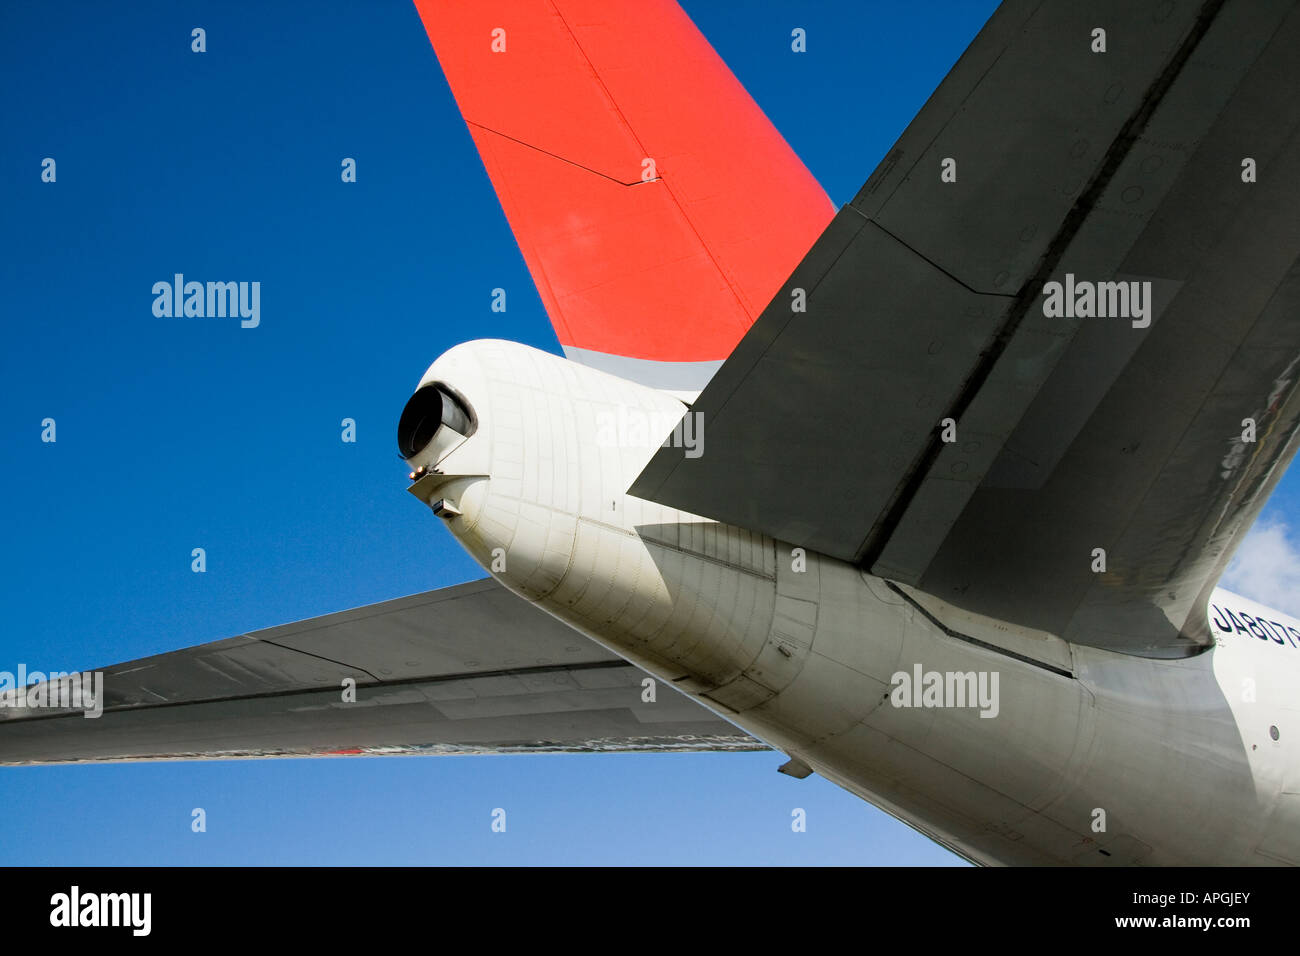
(1004, 744)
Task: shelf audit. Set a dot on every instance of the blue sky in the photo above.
(176, 434)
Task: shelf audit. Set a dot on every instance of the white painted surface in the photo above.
(1178, 755)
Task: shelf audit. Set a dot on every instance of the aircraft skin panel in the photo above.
(671, 376)
(657, 208)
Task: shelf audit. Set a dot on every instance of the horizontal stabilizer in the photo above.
(464, 670)
(1048, 366)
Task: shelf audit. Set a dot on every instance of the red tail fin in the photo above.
(657, 208)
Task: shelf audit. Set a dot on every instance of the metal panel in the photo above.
(811, 425)
(1071, 433)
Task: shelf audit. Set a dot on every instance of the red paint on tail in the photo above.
(567, 116)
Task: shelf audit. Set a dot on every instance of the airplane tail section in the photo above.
(657, 208)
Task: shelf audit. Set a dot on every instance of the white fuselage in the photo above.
(1006, 745)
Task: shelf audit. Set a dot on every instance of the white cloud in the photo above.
(1266, 568)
